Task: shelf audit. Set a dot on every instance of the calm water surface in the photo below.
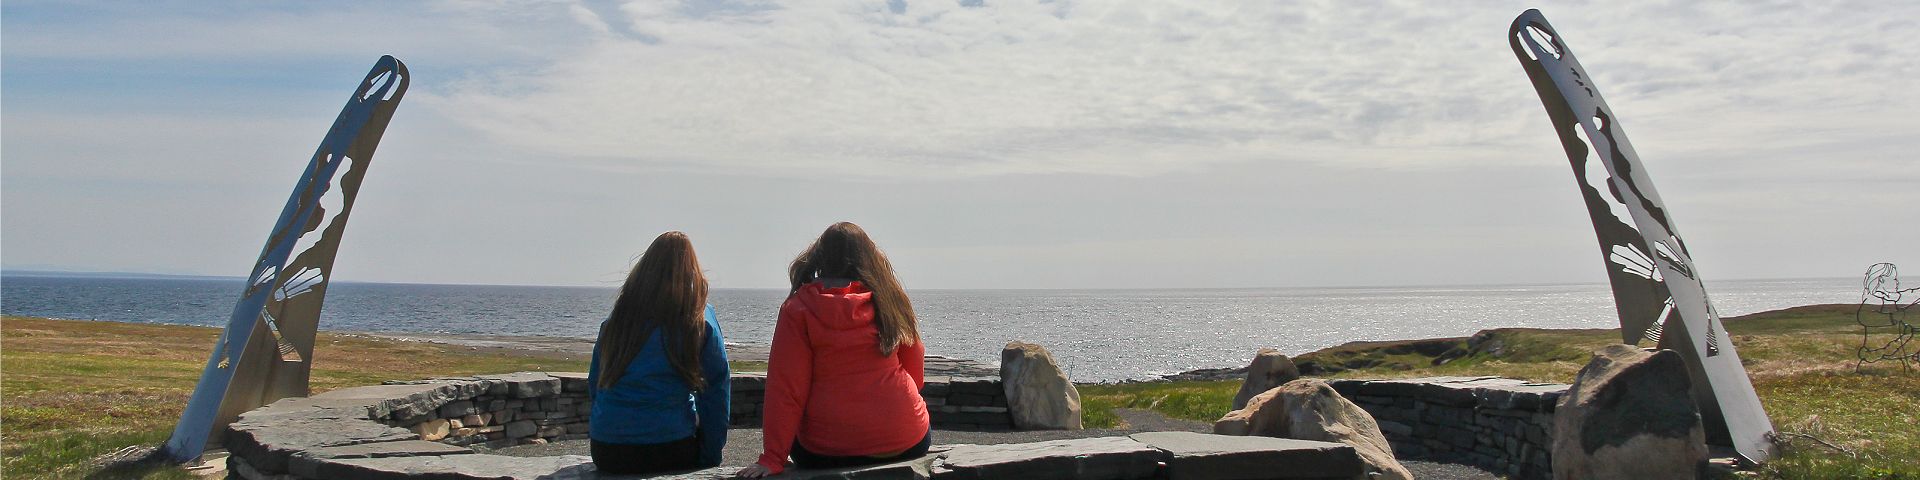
(1096, 334)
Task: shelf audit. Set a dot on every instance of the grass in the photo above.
(74, 390)
(1801, 361)
(1205, 401)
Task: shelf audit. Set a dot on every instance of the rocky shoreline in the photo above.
(1358, 355)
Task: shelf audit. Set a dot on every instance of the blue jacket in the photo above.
(652, 404)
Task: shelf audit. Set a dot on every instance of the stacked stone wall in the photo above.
(953, 402)
(519, 409)
(1503, 425)
(967, 403)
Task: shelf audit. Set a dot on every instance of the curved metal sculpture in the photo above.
(1881, 309)
(1656, 289)
(266, 351)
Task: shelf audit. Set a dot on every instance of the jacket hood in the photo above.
(841, 308)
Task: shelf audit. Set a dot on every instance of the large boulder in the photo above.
(1629, 414)
(1039, 395)
(1269, 369)
(1309, 409)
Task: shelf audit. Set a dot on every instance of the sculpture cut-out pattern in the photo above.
(266, 351)
(1656, 287)
(1885, 333)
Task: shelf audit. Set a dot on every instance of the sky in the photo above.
(982, 143)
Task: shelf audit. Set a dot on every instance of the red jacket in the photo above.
(828, 384)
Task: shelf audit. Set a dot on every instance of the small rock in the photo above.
(1309, 409)
(1269, 369)
(1039, 395)
(432, 430)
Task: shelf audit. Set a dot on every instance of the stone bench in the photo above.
(953, 402)
(1501, 424)
(426, 428)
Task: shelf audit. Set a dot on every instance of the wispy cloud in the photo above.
(1270, 137)
(935, 88)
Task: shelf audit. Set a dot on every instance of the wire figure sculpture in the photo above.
(1881, 310)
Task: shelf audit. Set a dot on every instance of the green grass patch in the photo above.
(1203, 401)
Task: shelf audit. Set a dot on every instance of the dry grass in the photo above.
(73, 390)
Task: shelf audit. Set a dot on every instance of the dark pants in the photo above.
(806, 459)
(625, 459)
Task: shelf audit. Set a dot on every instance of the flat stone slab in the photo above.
(306, 464)
(1201, 456)
(459, 467)
(267, 445)
(1086, 458)
(405, 400)
(571, 382)
(1493, 392)
(916, 469)
(527, 384)
(314, 408)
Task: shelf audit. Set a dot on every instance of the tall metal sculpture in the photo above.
(266, 351)
(1656, 289)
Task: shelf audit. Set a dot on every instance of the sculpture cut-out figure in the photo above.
(1656, 288)
(266, 351)
(1881, 309)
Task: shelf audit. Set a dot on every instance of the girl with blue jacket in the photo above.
(659, 381)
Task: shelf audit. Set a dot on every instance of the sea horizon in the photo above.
(236, 278)
(1098, 334)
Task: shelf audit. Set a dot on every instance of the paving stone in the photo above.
(459, 467)
(916, 469)
(316, 408)
(985, 386)
(1086, 458)
(306, 463)
(1201, 456)
(267, 445)
(408, 400)
(571, 382)
(527, 385)
(239, 468)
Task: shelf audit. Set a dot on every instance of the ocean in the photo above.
(1097, 335)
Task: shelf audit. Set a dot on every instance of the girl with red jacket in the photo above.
(844, 377)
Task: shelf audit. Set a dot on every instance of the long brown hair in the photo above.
(667, 293)
(845, 251)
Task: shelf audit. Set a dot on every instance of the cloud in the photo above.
(1016, 131)
(936, 88)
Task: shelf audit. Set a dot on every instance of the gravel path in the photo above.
(743, 444)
